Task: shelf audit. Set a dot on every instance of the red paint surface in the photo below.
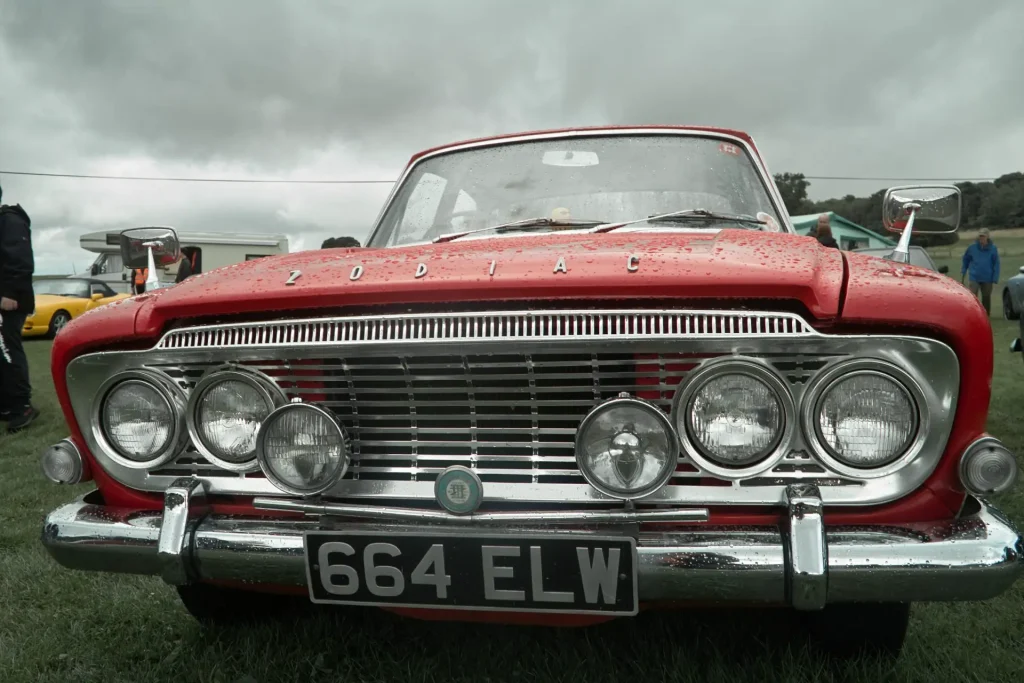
(734, 264)
(737, 265)
(880, 295)
(840, 292)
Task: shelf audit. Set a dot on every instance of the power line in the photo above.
(391, 182)
(198, 180)
(926, 180)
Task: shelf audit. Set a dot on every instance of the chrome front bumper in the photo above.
(800, 563)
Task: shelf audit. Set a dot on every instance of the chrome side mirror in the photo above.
(936, 208)
(138, 243)
(928, 208)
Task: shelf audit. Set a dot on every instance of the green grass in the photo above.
(60, 625)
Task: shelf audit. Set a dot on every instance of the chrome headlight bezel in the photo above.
(824, 382)
(754, 368)
(168, 390)
(268, 390)
(673, 444)
(261, 438)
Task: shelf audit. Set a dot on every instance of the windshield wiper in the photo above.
(523, 225)
(684, 216)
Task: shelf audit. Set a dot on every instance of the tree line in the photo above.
(995, 205)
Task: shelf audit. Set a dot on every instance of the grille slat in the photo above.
(531, 325)
(508, 413)
(512, 417)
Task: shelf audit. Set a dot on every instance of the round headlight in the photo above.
(140, 420)
(736, 417)
(302, 449)
(866, 419)
(225, 414)
(626, 448)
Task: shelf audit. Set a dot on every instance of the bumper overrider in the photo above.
(800, 563)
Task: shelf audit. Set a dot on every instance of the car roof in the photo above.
(584, 129)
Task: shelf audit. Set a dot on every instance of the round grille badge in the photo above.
(459, 490)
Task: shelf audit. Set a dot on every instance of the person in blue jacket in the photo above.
(981, 261)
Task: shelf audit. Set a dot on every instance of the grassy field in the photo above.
(59, 625)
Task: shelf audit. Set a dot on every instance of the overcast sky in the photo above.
(350, 89)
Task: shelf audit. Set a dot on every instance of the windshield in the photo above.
(77, 288)
(605, 178)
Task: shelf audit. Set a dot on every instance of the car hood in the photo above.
(730, 264)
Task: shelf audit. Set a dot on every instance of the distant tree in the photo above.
(793, 188)
(972, 195)
(1003, 207)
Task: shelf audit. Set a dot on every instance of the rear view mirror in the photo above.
(569, 158)
(137, 243)
(944, 269)
(936, 208)
(96, 296)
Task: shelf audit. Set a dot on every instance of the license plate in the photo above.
(568, 574)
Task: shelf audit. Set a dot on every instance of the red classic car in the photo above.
(574, 375)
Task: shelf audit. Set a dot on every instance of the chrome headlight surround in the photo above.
(845, 370)
(757, 370)
(261, 454)
(273, 396)
(168, 390)
(672, 441)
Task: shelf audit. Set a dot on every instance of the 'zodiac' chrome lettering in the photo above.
(421, 270)
(493, 264)
(560, 266)
(356, 273)
(633, 264)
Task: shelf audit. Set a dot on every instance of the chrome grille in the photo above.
(500, 326)
(421, 391)
(510, 416)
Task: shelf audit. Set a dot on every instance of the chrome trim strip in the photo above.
(757, 161)
(933, 365)
(808, 548)
(398, 514)
(184, 500)
(575, 325)
(975, 557)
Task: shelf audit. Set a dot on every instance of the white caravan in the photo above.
(216, 249)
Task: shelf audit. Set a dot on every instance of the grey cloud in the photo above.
(279, 87)
(268, 81)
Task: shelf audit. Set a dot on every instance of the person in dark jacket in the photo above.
(17, 302)
(189, 264)
(824, 232)
(340, 243)
(981, 263)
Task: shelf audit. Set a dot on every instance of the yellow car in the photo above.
(60, 300)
